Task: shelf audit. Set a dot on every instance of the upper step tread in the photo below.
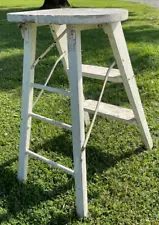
(110, 111)
(99, 72)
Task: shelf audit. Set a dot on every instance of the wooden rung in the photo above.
(99, 72)
(50, 162)
(50, 89)
(53, 122)
(110, 111)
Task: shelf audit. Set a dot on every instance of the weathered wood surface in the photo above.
(70, 16)
(120, 51)
(110, 111)
(77, 117)
(76, 19)
(99, 72)
(27, 98)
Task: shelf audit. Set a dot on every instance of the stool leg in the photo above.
(118, 44)
(27, 97)
(77, 115)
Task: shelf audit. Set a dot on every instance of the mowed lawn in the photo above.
(123, 177)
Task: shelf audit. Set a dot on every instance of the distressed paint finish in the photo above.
(99, 72)
(70, 16)
(118, 44)
(81, 19)
(110, 111)
(77, 116)
(27, 98)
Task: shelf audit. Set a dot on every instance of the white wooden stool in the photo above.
(66, 26)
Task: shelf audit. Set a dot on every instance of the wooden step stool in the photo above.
(66, 26)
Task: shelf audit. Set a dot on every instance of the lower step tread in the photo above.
(110, 111)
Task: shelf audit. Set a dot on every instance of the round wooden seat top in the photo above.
(70, 16)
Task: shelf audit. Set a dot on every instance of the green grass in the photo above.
(123, 177)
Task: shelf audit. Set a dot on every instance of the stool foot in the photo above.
(27, 97)
(118, 44)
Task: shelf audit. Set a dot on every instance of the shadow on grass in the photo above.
(143, 33)
(97, 159)
(19, 197)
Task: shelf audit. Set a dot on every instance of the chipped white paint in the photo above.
(77, 117)
(27, 97)
(118, 44)
(75, 20)
(98, 72)
(70, 16)
(110, 111)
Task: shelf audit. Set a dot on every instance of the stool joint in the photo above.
(22, 27)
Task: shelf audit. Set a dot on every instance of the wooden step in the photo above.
(110, 111)
(99, 72)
